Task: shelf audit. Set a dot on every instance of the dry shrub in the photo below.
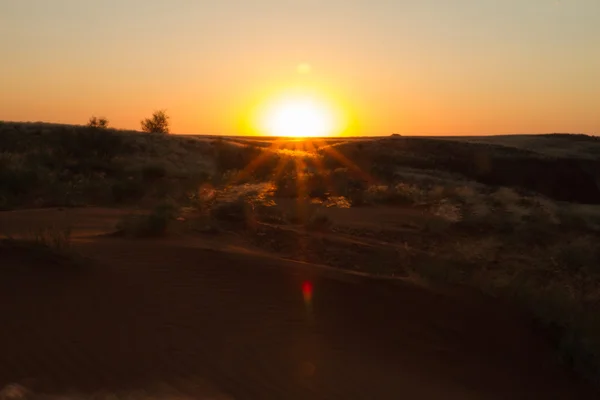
(47, 247)
(542, 254)
(399, 194)
(238, 211)
(564, 295)
(54, 237)
(447, 211)
(557, 279)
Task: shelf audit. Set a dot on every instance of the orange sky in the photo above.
(411, 67)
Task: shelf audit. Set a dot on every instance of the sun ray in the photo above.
(254, 164)
(301, 189)
(283, 162)
(346, 162)
(318, 163)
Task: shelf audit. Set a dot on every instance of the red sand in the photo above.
(168, 313)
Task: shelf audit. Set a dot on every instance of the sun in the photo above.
(298, 116)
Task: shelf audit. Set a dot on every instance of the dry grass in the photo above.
(45, 165)
(507, 241)
(44, 247)
(536, 252)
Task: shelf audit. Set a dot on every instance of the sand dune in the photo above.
(177, 316)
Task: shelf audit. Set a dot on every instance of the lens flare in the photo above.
(304, 68)
(307, 291)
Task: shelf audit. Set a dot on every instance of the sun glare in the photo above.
(298, 117)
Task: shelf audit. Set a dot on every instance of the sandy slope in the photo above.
(177, 314)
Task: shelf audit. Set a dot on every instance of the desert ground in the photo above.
(161, 266)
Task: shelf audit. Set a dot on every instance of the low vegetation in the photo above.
(46, 247)
(98, 122)
(54, 165)
(511, 220)
(153, 224)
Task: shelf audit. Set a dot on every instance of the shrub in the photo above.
(238, 211)
(84, 145)
(158, 123)
(153, 172)
(18, 179)
(46, 246)
(286, 186)
(316, 185)
(98, 123)
(128, 190)
(399, 194)
(56, 238)
(230, 156)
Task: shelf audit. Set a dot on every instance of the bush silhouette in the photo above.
(159, 123)
(99, 123)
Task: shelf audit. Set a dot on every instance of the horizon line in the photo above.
(322, 137)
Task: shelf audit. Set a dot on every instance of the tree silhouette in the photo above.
(99, 123)
(159, 123)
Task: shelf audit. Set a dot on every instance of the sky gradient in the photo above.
(405, 66)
